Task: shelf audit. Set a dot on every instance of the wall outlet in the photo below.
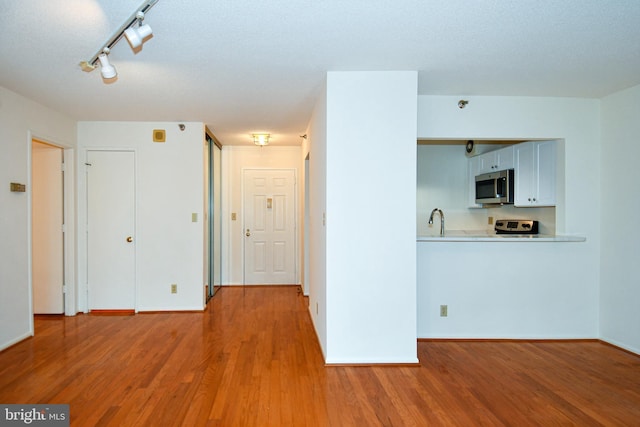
(174, 288)
(443, 311)
(490, 220)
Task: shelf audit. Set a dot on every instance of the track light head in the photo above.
(136, 35)
(107, 70)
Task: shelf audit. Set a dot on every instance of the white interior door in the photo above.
(47, 211)
(269, 226)
(111, 230)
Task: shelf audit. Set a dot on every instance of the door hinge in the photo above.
(62, 167)
(64, 228)
(64, 289)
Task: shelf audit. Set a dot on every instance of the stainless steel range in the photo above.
(516, 226)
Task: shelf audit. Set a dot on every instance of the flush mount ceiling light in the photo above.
(261, 139)
(132, 29)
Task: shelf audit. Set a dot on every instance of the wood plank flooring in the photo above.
(252, 359)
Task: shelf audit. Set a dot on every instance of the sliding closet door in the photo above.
(214, 216)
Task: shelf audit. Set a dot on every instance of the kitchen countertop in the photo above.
(491, 236)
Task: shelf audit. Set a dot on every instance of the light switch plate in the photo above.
(194, 217)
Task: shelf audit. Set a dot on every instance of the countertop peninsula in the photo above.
(491, 236)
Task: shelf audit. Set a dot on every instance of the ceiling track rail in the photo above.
(90, 65)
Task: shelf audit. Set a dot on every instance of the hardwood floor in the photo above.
(252, 359)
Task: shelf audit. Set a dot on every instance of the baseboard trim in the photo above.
(373, 365)
(15, 341)
(509, 339)
(172, 311)
(124, 312)
(265, 285)
(626, 350)
(532, 340)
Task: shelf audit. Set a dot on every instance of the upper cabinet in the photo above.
(535, 173)
(495, 160)
(534, 163)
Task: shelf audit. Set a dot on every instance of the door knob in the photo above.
(129, 239)
(248, 233)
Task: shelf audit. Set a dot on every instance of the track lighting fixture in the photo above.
(133, 29)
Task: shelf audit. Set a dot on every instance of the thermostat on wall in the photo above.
(159, 135)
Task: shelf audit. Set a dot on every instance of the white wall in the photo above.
(519, 290)
(551, 290)
(235, 159)
(370, 217)
(620, 204)
(169, 188)
(20, 120)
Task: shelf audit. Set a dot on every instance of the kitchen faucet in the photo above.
(441, 219)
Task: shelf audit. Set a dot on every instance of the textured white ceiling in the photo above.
(253, 65)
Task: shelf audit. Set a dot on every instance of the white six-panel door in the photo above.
(269, 226)
(111, 229)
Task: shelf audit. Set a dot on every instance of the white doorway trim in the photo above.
(69, 239)
(47, 228)
(306, 260)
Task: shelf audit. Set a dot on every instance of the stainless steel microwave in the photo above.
(495, 187)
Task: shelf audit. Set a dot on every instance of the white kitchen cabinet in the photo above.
(492, 161)
(535, 173)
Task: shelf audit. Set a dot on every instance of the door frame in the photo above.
(70, 287)
(47, 227)
(296, 246)
(213, 212)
